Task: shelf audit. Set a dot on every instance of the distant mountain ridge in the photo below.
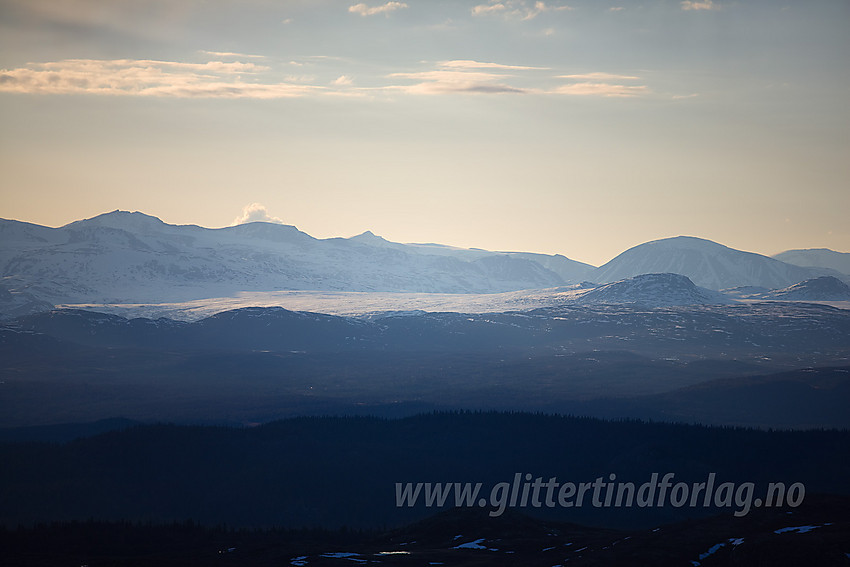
(707, 264)
(123, 257)
(817, 258)
(130, 257)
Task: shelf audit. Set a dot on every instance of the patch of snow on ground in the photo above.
(472, 545)
(712, 550)
(797, 529)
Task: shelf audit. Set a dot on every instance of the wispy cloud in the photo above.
(229, 54)
(469, 64)
(244, 80)
(447, 81)
(464, 76)
(601, 89)
(213, 79)
(516, 9)
(600, 77)
(487, 9)
(475, 77)
(699, 5)
(366, 10)
(342, 81)
(601, 84)
(255, 212)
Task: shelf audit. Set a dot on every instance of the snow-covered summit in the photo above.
(122, 220)
(655, 290)
(370, 239)
(825, 288)
(707, 264)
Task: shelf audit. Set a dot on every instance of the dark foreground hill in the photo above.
(355, 472)
(815, 533)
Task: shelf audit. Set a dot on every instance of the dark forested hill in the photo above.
(332, 472)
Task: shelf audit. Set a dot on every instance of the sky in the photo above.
(573, 127)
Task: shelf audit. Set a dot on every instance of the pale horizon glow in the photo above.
(558, 127)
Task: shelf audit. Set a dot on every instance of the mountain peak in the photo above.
(817, 258)
(369, 237)
(684, 242)
(824, 288)
(655, 290)
(707, 263)
(125, 220)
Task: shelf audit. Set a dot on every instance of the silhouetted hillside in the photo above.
(332, 472)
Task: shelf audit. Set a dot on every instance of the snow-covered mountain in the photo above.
(654, 290)
(707, 264)
(132, 257)
(570, 271)
(817, 258)
(122, 257)
(824, 288)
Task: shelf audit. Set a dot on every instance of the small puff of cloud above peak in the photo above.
(366, 10)
(255, 212)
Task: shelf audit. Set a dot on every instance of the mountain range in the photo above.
(707, 264)
(124, 257)
(817, 258)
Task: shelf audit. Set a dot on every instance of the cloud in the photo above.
(616, 9)
(601, 84)
(248, 80)
(365, 10)
(699, 5)
(601, 89)
(255, 212)
(468, 64)
(516, 9)
(485, 9)
(231, 54)
(463, 76)
(213, 79)
(442, 81)
(600, 77)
